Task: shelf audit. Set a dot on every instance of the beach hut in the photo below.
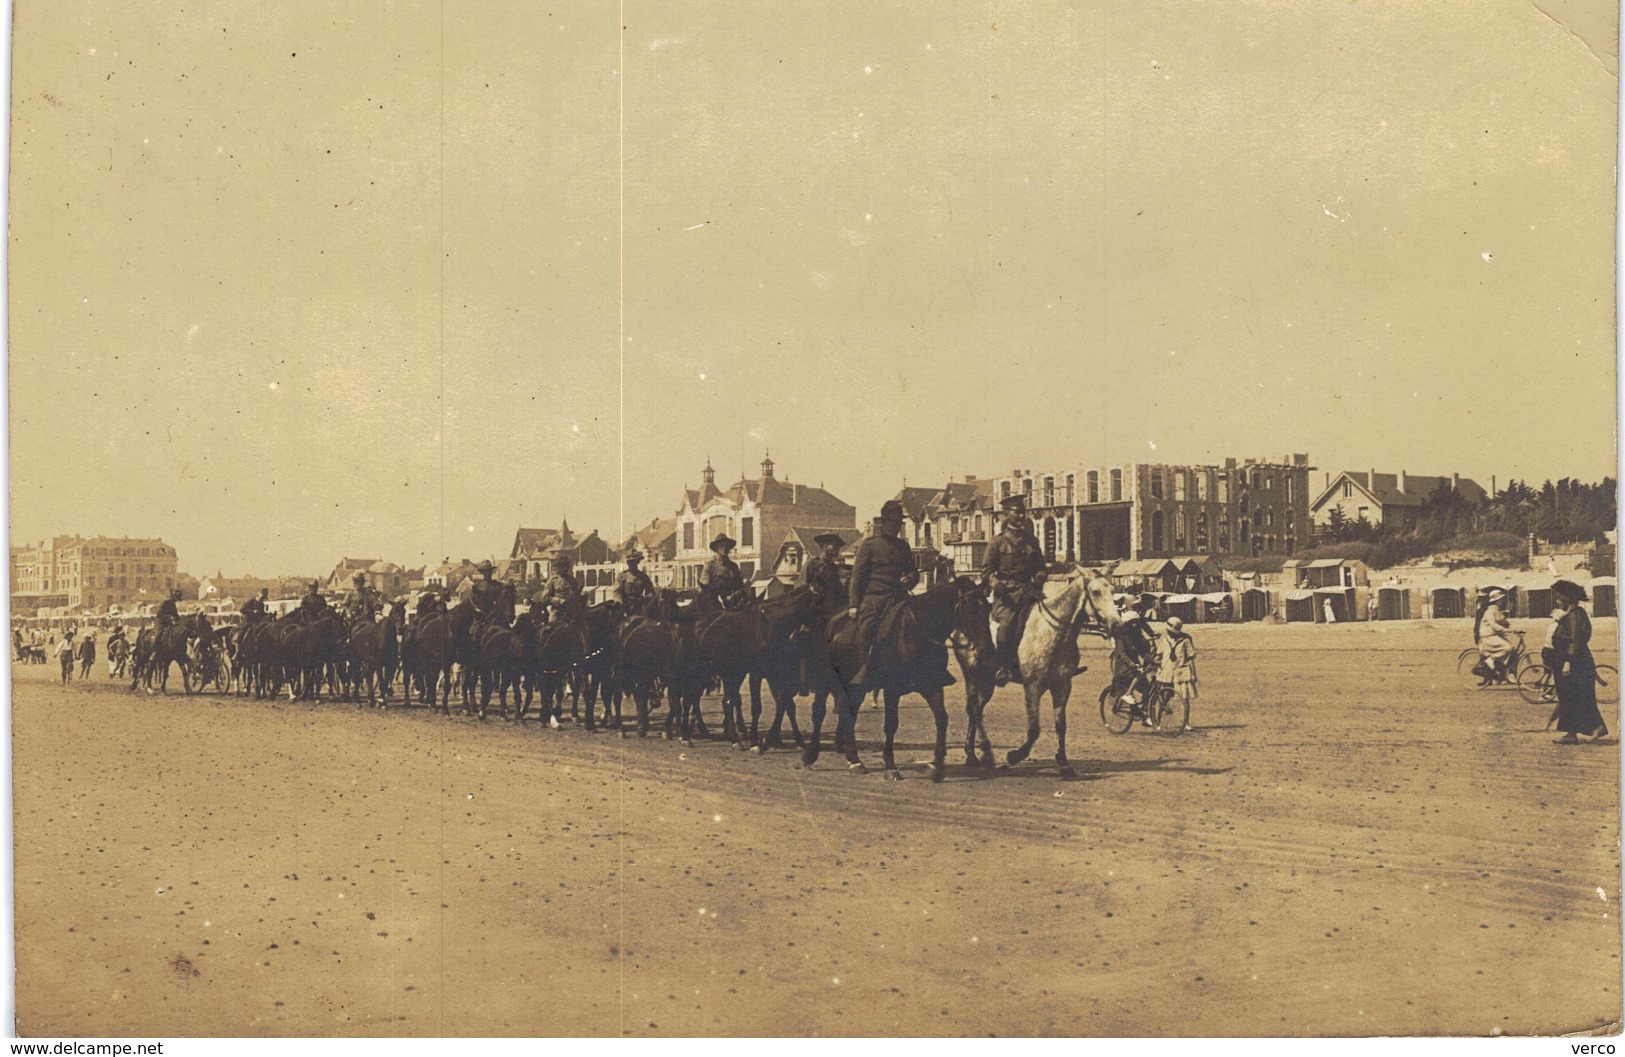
(1217, 607)
(1393, 603)
(1255, 604)
(1340, 602)
(1315, 573)
(1447, 602)
(1534, 600)
(1300, 607)
(1511, 593)
(1604, 592)
(1182, 606)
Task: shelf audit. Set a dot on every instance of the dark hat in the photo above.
(1570, 591)
(486, 567)
(1015, 503)
(633, 556)
(359, 577)
(829, 539)
(723, 540)
(891, 510)
(564, 559)
(315, 585)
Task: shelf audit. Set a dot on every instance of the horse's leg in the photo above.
(973, 713)
(1032, 689)
(891, 698)
(820, 704)
(983, 698)
(846, 729)
(1059, 693)
(755, 712)
(939, 712)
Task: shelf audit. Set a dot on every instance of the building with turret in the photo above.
(758, 513)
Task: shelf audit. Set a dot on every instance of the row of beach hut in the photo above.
(1297, 605)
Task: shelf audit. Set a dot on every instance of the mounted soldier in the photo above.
(721, 580)
(254, 609)
(883, 574)
(428, 606)
(633, 588)
(313, 606)
(1013, 568)
(486, 597)
(169, 611)
(822, 573)
(561, 597)
(365, 603)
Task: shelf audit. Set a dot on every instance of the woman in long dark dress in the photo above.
(1577, 712)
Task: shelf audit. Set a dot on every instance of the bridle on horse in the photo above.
(1083, 621)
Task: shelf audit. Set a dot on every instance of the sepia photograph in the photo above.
(867, 518)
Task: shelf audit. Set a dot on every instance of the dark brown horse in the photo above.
(442, 642)
(158, 648)
(911, 663)
(499, 661)
(779, 660)
(368, 649)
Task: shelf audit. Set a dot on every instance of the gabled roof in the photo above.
(1384, 488)
(529, 540)
(915, 500)
(804, 535)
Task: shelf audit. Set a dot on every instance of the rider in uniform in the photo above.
(169, 611)
(721, 579)
(365, 603)
(1012, 566)
(254, 609)
(883, 573)
(486, 595)
(823, 573)
(633, 588)
(560, 598)
(313, 606)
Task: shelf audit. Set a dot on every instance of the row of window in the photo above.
(714, 527)
(1185, 483)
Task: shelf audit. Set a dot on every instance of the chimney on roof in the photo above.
(1371, 482)
(1455, 482)
(1402, 482)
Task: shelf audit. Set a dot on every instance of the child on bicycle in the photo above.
(1177, 661)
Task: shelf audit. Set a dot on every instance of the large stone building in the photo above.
(1133, 510)
(1251, 507)
(758, 513)
(93, 573)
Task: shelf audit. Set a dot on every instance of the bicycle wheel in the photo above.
(1536, 686)
(1607, 685)
(1465, 663)
(1116, 715)
(1175, 712)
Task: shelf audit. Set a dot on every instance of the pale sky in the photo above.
(887, 241)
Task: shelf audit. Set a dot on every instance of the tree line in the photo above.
(1564, 511)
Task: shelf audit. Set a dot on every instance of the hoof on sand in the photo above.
(893, 775)
(857, 768)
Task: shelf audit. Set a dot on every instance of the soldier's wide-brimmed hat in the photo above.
(486, 567)
(1570, 591)
(723, 540)
(358, 577)
(829, 539)
(633, 557)
(315, 585)
(564, 559)
(1016, 504)
(891, 510)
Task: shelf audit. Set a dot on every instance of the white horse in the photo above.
(1048, 654)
